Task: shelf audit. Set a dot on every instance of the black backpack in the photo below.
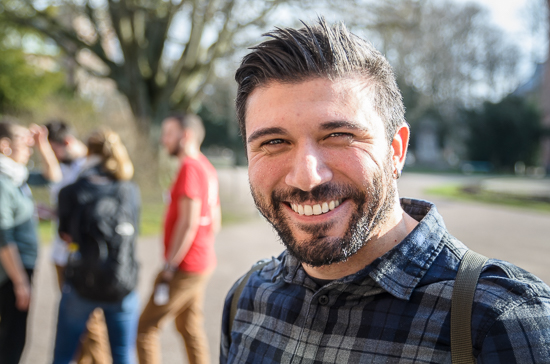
(103, 268)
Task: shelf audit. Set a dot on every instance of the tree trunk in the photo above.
(545, 103)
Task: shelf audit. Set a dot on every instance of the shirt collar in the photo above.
(399, 270)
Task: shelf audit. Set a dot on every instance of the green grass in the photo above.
(45, 232)
(152, 219)
(473, 193)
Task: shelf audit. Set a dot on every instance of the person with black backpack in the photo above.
(98, 218)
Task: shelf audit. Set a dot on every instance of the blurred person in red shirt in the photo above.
(192, 219)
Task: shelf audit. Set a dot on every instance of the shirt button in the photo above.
(323, 300)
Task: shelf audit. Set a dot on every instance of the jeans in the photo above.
(94, 344)
(121, 318)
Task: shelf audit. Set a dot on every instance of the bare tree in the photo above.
(448, 51)
(161, 54)
(446, 55)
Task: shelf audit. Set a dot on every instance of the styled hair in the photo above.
(192, 122)
(320, 51)
(7, 128)
(58, 131)
(114, 156)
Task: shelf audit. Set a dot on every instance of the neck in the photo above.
(398, 226)
(189, 151)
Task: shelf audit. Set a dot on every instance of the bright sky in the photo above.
(508, 14)
(513, 17)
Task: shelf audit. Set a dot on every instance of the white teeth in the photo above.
(317, 210)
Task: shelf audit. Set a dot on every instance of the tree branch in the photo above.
(60, 35)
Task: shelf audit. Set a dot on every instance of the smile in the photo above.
(317, 209)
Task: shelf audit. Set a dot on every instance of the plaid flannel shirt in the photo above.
(395, 310)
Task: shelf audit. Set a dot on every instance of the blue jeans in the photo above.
(121, 318)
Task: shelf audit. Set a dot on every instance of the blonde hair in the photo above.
(114, 156)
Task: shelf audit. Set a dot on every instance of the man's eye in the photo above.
(340, 138)
(273, 142)
(340, 135)
(274, 146)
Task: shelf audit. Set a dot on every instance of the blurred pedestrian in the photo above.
(18, 236)
(98, 219)
(192, 220)
(71, 154)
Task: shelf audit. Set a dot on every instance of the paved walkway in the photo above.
(506, 233)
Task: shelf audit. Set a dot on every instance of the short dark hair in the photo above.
(7, 128)
(58, 131)
(319, 51)
(190, 121)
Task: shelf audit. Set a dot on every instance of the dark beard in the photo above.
(372, 211)
(68, 160)
(176, 151)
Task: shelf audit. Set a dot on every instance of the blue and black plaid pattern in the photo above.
(395, 310)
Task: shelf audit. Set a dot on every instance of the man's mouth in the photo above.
(317, 209)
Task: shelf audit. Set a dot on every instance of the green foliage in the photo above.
(28, 73)
(22, 85)
(221, 132)
(220, 123)
(504, 133)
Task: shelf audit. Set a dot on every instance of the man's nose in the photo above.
(308, 169)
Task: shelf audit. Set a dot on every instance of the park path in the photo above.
(519, 236)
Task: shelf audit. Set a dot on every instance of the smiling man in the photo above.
(365, 277)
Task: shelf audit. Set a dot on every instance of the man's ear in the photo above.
(188, 135)
(4, 143)
(399, 146)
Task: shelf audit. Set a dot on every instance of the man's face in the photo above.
(60, 151)
(320, 166)
(171, 136)
(21, 145)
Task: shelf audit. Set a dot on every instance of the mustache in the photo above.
(324, 192)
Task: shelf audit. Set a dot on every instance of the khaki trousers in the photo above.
(185, 304)
(94, 348)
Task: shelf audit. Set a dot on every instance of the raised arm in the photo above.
(50, 166)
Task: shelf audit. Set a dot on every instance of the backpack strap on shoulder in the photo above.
(239, 290)
(461, 307)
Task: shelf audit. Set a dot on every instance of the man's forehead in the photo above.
(171, 122)
(337, 99)
(20, 132)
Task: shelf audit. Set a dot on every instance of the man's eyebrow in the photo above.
(265, 131)
(330, 125)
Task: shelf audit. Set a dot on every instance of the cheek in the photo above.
(265, 175)
(20, 148)
(356, 164)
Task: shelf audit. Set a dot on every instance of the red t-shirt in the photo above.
(197, 179)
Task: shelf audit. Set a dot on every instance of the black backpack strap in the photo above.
(239, 290)
(461, 307)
